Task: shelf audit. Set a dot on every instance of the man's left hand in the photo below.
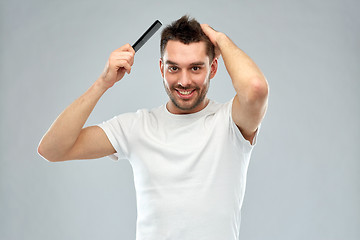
(214, 37)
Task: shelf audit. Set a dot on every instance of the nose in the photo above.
(184, 79)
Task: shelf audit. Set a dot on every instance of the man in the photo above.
(189, 156)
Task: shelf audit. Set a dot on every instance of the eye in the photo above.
(195, 68)
(173, 68)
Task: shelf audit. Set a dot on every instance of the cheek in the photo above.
(202, 79)
(169, 79)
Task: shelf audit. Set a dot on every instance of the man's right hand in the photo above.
(66, 139)
(119, 63)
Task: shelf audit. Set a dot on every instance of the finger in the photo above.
(120, 65)
(210, 33)
(206, 28)
(125, 65)
(203, 27)
(127, 57)
(118, 56)
(125, 48)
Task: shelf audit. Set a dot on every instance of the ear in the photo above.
(161, 65)
(213, 68)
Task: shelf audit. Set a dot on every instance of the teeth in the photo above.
(185, 92)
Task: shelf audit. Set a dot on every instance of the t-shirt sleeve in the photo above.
(118, 131)
(235, 131)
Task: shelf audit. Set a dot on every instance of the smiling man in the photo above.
(190, 156)
(187, 70)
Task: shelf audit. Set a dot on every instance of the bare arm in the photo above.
(250, 103)
(67, 139)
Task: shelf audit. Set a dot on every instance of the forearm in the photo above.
(65, 130)
(246, 77)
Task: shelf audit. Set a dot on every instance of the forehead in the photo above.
(181, 53)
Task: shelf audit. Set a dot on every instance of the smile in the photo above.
(185, 94)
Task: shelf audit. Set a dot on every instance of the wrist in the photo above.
(101, 85)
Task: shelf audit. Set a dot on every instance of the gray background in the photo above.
(303, 180)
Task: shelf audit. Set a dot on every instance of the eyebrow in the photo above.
(168, 62)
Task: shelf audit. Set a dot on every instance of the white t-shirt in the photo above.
(189, 171)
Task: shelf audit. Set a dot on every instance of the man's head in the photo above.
(186, 30)
(187, 64)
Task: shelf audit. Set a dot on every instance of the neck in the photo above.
(172, 108)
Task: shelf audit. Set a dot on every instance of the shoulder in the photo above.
(217, 115)
(225, 119)
(223, 109)
(140, 113)
(132, 119)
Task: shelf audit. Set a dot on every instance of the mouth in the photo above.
(185, 94)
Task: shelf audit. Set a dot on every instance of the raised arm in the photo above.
(250, 103)
(67, 139)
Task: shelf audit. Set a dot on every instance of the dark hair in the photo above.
(186, 30)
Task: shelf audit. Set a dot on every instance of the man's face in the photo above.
(186, 71)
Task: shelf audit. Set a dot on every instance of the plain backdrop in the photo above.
(303, 179)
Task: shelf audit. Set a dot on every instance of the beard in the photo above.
(187, 104)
